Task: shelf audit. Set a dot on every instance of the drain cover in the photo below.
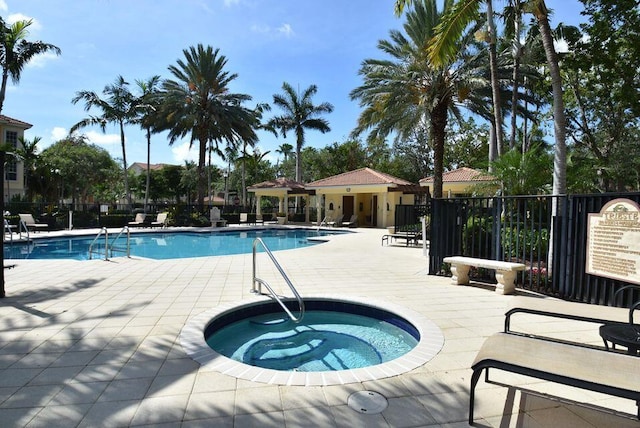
(367, 402)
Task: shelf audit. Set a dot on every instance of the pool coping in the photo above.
(194, 344)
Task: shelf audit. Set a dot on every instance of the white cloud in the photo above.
(3, 5)
(101, 139)
(286, 30)
(58, 133)
(229, 3)
(182, 153)
(561, 46)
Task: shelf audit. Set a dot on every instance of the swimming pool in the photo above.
(170, 245)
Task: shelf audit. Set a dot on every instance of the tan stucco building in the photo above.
(368, 194)
(12, 131)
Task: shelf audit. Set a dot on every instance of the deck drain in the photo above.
(369, 402)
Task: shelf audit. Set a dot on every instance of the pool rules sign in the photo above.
(613, 241)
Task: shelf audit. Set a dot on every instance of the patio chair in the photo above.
(29, 223)
(161, 220)
(244, 218)
(337, 222)
(353, 222)
(138, 221)
(214, 217)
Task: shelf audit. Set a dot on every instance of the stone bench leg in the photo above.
(460, 274)
(506, 282)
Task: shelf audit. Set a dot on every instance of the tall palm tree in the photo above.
(300, 114)
(119, 107)
(443, 47)
(199, 103)
(459, 19)
(285, 150)
(29, 154)
(148, 101)
(16, 52)
(409, 93)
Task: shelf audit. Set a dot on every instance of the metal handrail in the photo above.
(23, 226)
(274, 296)
(7, 229)
(106, 244)
(113, 248)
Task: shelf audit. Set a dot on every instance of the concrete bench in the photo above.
(587, 368)
(505, 271)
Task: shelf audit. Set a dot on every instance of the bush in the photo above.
(525, 243)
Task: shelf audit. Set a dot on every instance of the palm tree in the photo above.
(408, 94)
(148, 101)
(119, 107)
(29, 154)
(285, 150)
(465, 13)
(199, 104)
(16, 52)
(299, 115)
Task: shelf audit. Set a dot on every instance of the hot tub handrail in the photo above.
(262, 282)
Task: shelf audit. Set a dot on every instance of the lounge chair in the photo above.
(244, 218)
(214, 217)
(353, 222)
(138, 221)
(161, 220)
(337, 222)
(29, 223)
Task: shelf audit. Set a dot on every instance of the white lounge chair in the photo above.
(30, 223)
(353, 222)
(161, 220)
(214, 217)
(138, 221)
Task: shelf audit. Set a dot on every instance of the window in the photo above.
(11, 167)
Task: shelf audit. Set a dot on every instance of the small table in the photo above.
(627, 335)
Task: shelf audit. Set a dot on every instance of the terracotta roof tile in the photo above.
(362, 176)
(461, 175)
(278, 183)
(15, 122)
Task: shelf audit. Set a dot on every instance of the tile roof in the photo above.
(143, 165)
(461, 175)
(362, 176)
(15, 122)
(278, 183)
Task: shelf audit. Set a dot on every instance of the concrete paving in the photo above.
(96, 343)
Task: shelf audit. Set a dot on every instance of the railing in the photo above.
(260, 282)
(127, 249)
(106, 244)
(324, 221)
(7, 229)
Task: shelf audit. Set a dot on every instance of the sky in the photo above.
(266, 43)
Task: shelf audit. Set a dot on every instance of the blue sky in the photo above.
(266, 42)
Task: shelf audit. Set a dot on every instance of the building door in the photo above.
(374, 211)
(347, 207)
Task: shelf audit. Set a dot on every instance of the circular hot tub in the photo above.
(339, 340)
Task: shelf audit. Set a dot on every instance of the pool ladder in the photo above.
(259, 282)
(110, 249)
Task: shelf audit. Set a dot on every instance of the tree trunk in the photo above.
(495, 84)
(2, 159)
(127, 194)
(202, 176)
(559, 119)
(438, 128)
(146, 192)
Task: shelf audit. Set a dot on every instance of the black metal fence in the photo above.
(407, 217)
(523, 229)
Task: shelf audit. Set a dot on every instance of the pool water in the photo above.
(323, 340)
(168, 245)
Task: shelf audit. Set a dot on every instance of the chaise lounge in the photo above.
(30, 223)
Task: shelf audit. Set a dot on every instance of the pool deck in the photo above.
(97, 343)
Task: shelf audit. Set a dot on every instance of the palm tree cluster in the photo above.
(439, 64)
